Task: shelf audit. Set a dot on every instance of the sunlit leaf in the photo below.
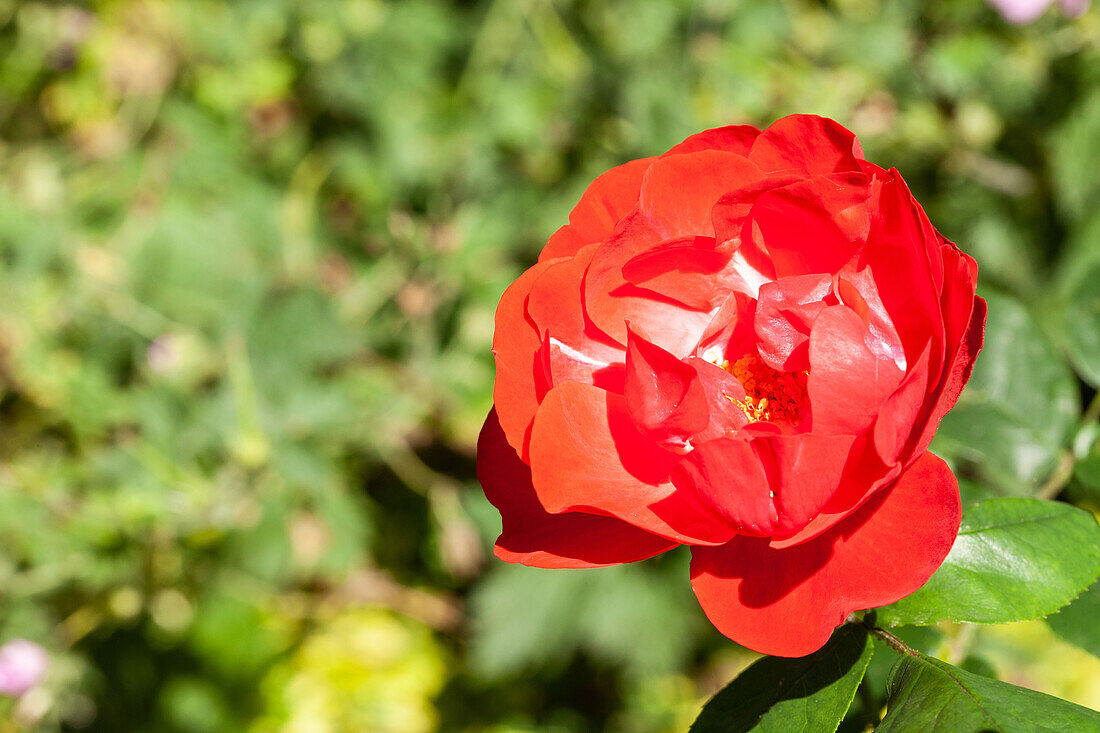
(1014, 559)
(926, 694)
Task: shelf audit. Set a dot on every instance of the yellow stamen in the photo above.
(769, 395)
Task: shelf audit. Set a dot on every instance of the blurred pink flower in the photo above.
(23, 664)
(1025, 11)
(163, 353)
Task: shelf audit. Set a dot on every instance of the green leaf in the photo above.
(931, 696)
(1085, 488)
(1076, 144)
(973, 493)
(622, 604)
(1014, 559)
(1016, 416)
(1083, 326)
(871, 699)
(776, 694)
(522, 617)
(530, 618)
(1079, 622)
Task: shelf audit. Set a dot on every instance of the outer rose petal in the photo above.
(586, 455)
(607, 200)
(963, 333)
(959, 372)
(515, 342)
(575, 349)
(787, 602)
(808, 144)
(898, 258)
(733, 139)
(532, 536)
(679, 191)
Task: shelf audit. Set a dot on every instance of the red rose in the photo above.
(744, 345)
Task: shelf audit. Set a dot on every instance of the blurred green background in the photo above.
(250, 253)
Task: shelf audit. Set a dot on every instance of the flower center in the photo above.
(769, 395)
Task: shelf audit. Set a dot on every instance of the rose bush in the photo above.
(743, 345)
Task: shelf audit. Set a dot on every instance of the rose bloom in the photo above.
(745, 346)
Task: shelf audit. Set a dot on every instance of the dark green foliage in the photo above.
(1079, 622)
(926, 694)
(1083, 325)
(776, 694)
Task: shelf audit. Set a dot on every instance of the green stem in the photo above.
(891, 641)
(1063, 472)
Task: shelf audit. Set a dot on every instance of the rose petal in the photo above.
(608, 199)
(864, 476)
(687, 270)
(857, 290)
(808, 144)
(902, 272)
(805, 474)
(814, 225)
(732, 139)
(787, 602)
(663, 394)
(847, 382)
(679, 191)
(898, 413)
(586, 455)
(532, 536)
(728, 474)
(785, 313)
(515, 343)
(729, 335)
(610, 301)
(729, 212)
(722, 390)
(573, 348)
(957, 374)
(769, 484)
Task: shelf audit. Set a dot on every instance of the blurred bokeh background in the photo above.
(250, 252)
